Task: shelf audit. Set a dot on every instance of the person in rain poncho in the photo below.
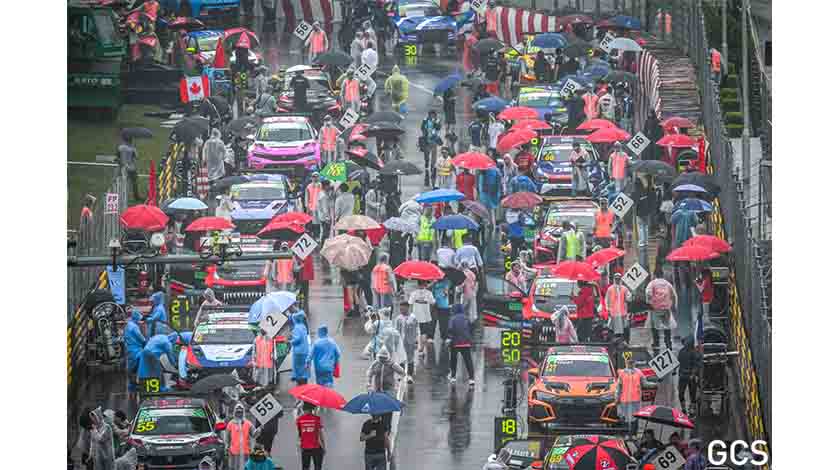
(408, 328)
(370, 56)
(411, 210)
(490, 191)
(101, 442)
(224, 206)
(375, 204)
(134, 341)
(261, 81)
(326, 357)
(210, 301)
(382, 331)
(263, 359)
(150, 367)
(356, 48)
(300, 349)
(214, 156)
(384, 283)
(564, 329)
(662, 297)
(396, 86)
(238, 437)
(380, 378)
(157, 321)
(494, 130)
(265, 105)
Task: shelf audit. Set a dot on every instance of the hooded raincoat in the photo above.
(210, 300)
(240, 432)
(150, 358)
(134, 341)
(102, 443)
(396, 86)
(380, 374)
(384, 334)
(158, 319)
(214, 155)
(300, 347)
(325, 357)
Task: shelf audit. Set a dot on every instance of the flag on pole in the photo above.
(151, 198)
(194, 88)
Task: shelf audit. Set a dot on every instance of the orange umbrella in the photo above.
(473, 161)
(515, 139)
(532, 124)
(518, 112)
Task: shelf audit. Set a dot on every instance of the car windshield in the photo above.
(249, 226)
(555, 154)
(223, 333)
(208, 43)
(410, 11)
(553, 291)
(284, 133)
(582, 221)
(541, 99)
(258, 193)
(156, 422)
(577, 365)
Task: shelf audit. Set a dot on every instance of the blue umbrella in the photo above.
(493, 104)
(694, 204)
(448, 83)
(550, 41)
(597, 71)
(372, 403)
(693, 188)
(439, 195)
(627, 22)
(276, 302)
(454, 222)
(187, 204)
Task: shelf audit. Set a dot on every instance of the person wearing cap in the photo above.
(328, 138)
(516, 276)
(572, 246)
(604, 220)
(617, 296)
(618, 163)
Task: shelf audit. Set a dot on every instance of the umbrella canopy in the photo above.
(233, 37)
(185, 23)
(282, 230)
(136, 133)
(400, 168)
(398, 224)
(356, 222)
(213, 382)
(365, 158)
(448, 83)
(604, 256)
(700, 179)
(595, 124)
(709, 241)
(693, 204)
(473, 161)
(532, 125)
(294, 217)
(575, 271)
(243, 126)
(597, 71)
(455, 276)
(419, 270)
(144, 217)
(515, 139)
(550, 41)
(372, 403)
(439, 195)
(626, 22)
(518, 112)
(625, 44)
(187, 204)
(455, 222)
(276, 302)
(493, 104)
(476, 208)
(689, 188)
(384, 130)
(676, 122)
(187, 130)
(206, 224)
(597, 454)
(619, 76)
(573, 19)
(577, 49)
(488, 44)
(384, 116)
(334, 58)
(346, 251)
(213, 105)
(692, 253)
(318, 395)
(677, 141)
(664, 415)
(229, 181)
(522, 200)
(608, 136)
(653, 167)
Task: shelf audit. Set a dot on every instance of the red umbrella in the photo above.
(518, 112)
(220, 59)
(515, 139)
(318, 395)
(604, 256)
(596, 453)
(420, 270)
(144, 217)
(607, 136)
(522, 200)
(664, 415)
(709, 241)
(151, 41)
(677, 122)
(206, 224)
(282, 230)
(296, 217)
(595, 124)
(575, 271)
(532, 124)
(677, 141)
(473, 161)
(692, 253)
(252, 37)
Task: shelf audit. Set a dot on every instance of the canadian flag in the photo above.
(194, 88)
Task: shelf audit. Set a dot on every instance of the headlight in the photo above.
(541, 396)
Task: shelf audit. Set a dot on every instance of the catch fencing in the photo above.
(750, 293)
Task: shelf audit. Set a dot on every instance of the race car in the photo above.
(580, 212)
(287, 143)
(545, 295)
(240, 282)
(553, 171)
(176, 433)
(420, 21)
(546, 100)
(203, 45)
(574, 386)
(221, 343)
(269, 197)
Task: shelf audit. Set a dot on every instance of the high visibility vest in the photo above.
(603, 224)
(616, 300)
(572, 245)
(240, 437)
(590, 105)
(491, 20)
(264, 352)
(427, 233)
(458, 237)
(329, 136)
(631, 385)
(318, 43)
(285, 270)
(667, 23)
(381, 275)
(351, 90)
(619, 165)
(715, 60)
(313, 190)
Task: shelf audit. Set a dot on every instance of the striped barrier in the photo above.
(295, 11)
(78, 330)
(513, 23)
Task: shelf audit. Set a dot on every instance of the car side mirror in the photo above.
(533, 372)
(220, 426)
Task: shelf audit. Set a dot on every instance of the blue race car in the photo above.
(553, 170)
(546, 99)
(420, 21)
(262, 199)
(206, 9)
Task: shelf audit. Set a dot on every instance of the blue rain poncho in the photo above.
(300, 347)
(134, 340)
(158, 319)
(325, 356)
(150, 357)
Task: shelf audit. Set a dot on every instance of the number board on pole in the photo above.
(349, 118)
(570, 87)
(638, 143)
(635, 276)
(304, 246)
(478, 5)
(302, 31)
(272, 322)
(511, 347)
(664, 363)
(621, 204)
(605, 43)
(268, 407)
(364, 71)
(669, 459)
(504, 429)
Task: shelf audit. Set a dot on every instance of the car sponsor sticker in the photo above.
(302, 31)
(621, 204)
(664, 363)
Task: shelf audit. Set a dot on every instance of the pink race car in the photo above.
(285, 143)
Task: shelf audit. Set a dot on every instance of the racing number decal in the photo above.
(410, 50)
(151, 385)
(549, 157)
(146, 426)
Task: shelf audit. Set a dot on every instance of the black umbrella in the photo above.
(703, 180)
(384, 130)
(656, 168)
(400, 168)
(577, 49)
(365, 158)
(488, 45)
(456, 276)
(214, 105)
(136, 133)
(384, 116)
(186, 131)
(242, 126)
(336, 58)
(620, 76)
(212, 383)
